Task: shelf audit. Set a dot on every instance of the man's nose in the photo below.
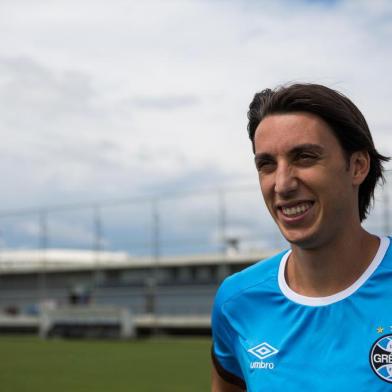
(286, 181)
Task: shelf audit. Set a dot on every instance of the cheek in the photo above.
(267, 190)
(263, 185)
(333, 194)
(319, 182)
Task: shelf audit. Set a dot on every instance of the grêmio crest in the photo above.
(380, 357)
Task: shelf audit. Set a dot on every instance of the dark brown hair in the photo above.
(343, 117)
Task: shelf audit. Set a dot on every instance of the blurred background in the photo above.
(128, 181)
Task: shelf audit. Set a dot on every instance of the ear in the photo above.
(359, 165)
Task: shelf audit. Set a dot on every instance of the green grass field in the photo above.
(164, 364)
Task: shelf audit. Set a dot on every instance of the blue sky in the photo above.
(106, 100)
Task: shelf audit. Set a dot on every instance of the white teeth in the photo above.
(289, 211)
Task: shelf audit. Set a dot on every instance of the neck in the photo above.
(329, 269)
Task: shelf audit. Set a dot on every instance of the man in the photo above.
(317, 317)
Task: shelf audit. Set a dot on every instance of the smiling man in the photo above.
(318, 316)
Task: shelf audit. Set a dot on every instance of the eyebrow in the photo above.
(307, 147)
(299, 148)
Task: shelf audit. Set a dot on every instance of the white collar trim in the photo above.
(322, 301)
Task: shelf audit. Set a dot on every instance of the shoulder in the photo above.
(385, 254)
(260, 274)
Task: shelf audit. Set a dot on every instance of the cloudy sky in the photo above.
(102, 100)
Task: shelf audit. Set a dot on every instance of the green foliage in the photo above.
(31, 364)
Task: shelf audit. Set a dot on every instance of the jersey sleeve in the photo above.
(223, 338)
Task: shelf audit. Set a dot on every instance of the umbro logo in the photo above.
(262, 351)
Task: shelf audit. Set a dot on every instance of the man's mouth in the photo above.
(296, 210)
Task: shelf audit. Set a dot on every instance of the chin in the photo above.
(302, 240)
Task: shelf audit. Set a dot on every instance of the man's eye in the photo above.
(264, 166)
(306, 158)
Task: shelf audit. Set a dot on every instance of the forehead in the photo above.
(278, 133)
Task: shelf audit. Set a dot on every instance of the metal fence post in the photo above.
(97, 244)
(43, 245)
(386, 225)
(152, 279)
(223, 268)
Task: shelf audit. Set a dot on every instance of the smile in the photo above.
(296, 210)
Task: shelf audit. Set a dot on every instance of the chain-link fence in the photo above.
(204, 221)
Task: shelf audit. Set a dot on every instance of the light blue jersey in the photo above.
(268, 338)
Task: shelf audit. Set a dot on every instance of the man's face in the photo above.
(305, 178)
